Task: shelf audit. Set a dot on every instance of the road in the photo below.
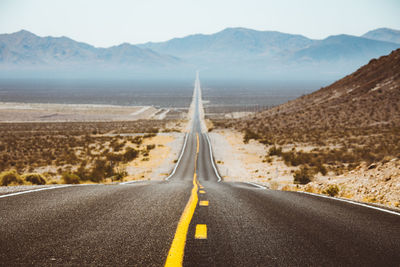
(193, 218)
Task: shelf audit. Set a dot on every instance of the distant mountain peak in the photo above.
(236, 29)
(384, 34)
(23, 33)
(383, 30)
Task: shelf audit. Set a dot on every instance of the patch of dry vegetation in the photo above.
(12, 177)
(73, 151)
(334, 149)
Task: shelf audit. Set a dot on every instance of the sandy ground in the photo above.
(236, 161)
(161, 159)
(237, 115)
(24, 112)
(377, 183)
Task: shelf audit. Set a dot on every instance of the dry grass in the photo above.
(92, 151)
(335, 149)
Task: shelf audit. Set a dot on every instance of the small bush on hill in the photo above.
(119, 175)
(153, 130)
(149, 135)
(34, 178)
(275, 151)
(69, 178)
(303, 176)
(101, 170)
(137, 140)
(331, 190)
(10, 178)
(114, 157)
(248, 135)
(150, 147)
(321, 168)
(130, 154)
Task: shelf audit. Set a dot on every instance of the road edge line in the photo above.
(132, 182)
(35, 190)
(352, 202)
(212, 158)
(257, 185)
(179, 159)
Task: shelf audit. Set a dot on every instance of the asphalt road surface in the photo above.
(193, 219)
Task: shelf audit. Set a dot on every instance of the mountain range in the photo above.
(233, 52)
(26, 48)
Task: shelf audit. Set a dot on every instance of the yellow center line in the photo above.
(200, 186)
(203, 203)
(202, 192)
(198, 147)
(201, 231)
(176, 251)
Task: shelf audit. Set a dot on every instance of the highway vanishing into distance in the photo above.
(193, 218)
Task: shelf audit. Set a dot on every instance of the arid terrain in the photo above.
(35, 112)
(89, 152)
(342, 140)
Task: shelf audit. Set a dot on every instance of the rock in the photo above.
(372, 166)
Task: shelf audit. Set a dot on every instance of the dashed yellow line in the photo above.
(176, 251)
(201, 231)
(203, 203)
(202, 192)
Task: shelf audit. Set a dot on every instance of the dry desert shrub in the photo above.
(303, 176)
(331, 190)
(10, 178)
(35, 178)
(70, 178)
(28, 146)
(336, 148)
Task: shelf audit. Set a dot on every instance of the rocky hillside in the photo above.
(370, 96)
(355, 120)
(342, 140)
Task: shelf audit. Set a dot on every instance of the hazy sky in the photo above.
(105, 23)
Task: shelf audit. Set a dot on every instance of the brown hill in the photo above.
(342, 140)
(368, 97)
(354, 120)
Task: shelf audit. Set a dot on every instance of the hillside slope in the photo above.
(370, 96)
(354, 120)
(342, 140)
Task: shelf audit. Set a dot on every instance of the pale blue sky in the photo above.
(105, 23)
